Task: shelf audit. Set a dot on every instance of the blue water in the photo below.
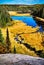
(26, 19)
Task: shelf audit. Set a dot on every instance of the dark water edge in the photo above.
(40, 24)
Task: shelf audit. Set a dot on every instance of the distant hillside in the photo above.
(38, 10)
(26, 8)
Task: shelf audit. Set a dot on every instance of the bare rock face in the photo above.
(18, 59)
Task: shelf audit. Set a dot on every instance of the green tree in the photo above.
(1, 37)
(14, 50)
(8, 43)
(42, 55)
(4, 17)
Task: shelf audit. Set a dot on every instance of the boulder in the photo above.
(19, 59)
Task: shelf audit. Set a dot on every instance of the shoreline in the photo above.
(13, 13)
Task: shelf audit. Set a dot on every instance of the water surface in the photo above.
(26, 19)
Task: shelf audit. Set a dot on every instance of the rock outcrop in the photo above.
(18, 59)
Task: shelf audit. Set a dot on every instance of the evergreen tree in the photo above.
(1, 38)
(8, 43)
(14, 50)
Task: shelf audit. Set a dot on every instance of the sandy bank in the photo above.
(13, 13)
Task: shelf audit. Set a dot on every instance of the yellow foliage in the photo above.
(29, 35)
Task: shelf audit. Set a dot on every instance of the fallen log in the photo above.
(39, 19)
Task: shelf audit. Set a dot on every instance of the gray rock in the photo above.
(19, 59)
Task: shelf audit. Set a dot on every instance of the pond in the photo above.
(26, 19)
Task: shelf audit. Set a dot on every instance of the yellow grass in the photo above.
(33, 39)
(14, 13)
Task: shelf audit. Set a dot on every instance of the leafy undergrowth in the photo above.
(24, 39)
